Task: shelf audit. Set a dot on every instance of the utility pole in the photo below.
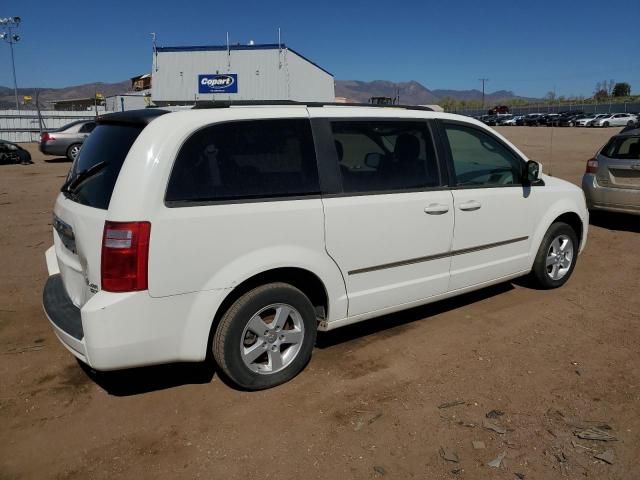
(10, 37)
(483, 80)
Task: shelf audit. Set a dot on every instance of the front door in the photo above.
(493, 226)
(389, 226)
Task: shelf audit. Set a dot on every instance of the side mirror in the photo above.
(533, 172)
(372, 160)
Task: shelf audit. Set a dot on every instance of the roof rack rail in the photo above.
(204, 104)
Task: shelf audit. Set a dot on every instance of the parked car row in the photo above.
(563, 119)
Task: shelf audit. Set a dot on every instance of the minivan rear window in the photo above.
(94, 173)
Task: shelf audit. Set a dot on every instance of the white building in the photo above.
(127, 101)
(183, 75)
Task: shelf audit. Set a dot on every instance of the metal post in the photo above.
(7, 25)
(483, 80)
(13, 67)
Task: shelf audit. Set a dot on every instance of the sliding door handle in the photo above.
(470, 206)
(436, 209)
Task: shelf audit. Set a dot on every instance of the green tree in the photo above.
(448, 103)
(601, 95)
(621, 89)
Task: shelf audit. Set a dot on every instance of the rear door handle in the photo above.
(436, 209)
(470, 206)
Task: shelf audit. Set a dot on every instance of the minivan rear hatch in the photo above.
(81, 208)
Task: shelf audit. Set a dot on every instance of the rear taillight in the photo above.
(45, 137)
(125, 256)
(592, 165)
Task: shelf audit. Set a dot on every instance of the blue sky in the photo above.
(530, 47)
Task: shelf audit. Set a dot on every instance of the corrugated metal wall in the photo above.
(263, 74)
(24, 126)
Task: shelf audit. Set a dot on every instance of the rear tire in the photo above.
(73, 151)
(266, 337)
(556, 257)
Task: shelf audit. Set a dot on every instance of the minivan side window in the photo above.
(383, 155)
(246, 160)
(479, 159)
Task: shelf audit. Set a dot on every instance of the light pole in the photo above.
(7, 35)
(483, 80)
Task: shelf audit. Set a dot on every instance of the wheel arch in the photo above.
(565, 211)
(304, 280)
(574, 221)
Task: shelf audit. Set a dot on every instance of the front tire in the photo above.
(605, 124)
(556, 257)
(266, 337)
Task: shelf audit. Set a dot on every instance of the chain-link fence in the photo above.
(626, 107)
(26, 125)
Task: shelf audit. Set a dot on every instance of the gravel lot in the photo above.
(555, 363)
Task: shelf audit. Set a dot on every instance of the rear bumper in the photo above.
(64, 316)
(52, 148)
(113, 331)
(623, 200)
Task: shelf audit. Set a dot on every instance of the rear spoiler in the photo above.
(140, 117)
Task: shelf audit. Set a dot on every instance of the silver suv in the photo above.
(612, 179)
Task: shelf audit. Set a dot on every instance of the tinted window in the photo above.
(382, 155)
(87, 127)
(244, 160)
(480, 159)
(94, 173)
(71, 127)
(623, 147)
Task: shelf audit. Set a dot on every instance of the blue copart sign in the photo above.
(218, 83)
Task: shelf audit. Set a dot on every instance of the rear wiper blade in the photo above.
(71, 185)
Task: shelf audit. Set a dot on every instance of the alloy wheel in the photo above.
(272, 338)
(559, 257)
(74, 151)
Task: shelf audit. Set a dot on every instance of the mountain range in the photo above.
(411, 93)
(47, 95)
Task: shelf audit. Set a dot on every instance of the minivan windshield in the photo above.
(94, 173)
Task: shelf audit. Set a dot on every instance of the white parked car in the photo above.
(615, 120)
(244, 230)
(587, 121)
(513, 120)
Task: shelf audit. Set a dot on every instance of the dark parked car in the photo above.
(534, 120)
(12, 153)
(566, 119)
(66, 140)
(493, 120)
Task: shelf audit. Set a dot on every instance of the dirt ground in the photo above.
(371, 402)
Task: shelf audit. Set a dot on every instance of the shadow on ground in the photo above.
(400, 319)
(137, 381)
(57, 160)
(616, 221)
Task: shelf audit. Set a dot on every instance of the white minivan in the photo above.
(241, 230)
